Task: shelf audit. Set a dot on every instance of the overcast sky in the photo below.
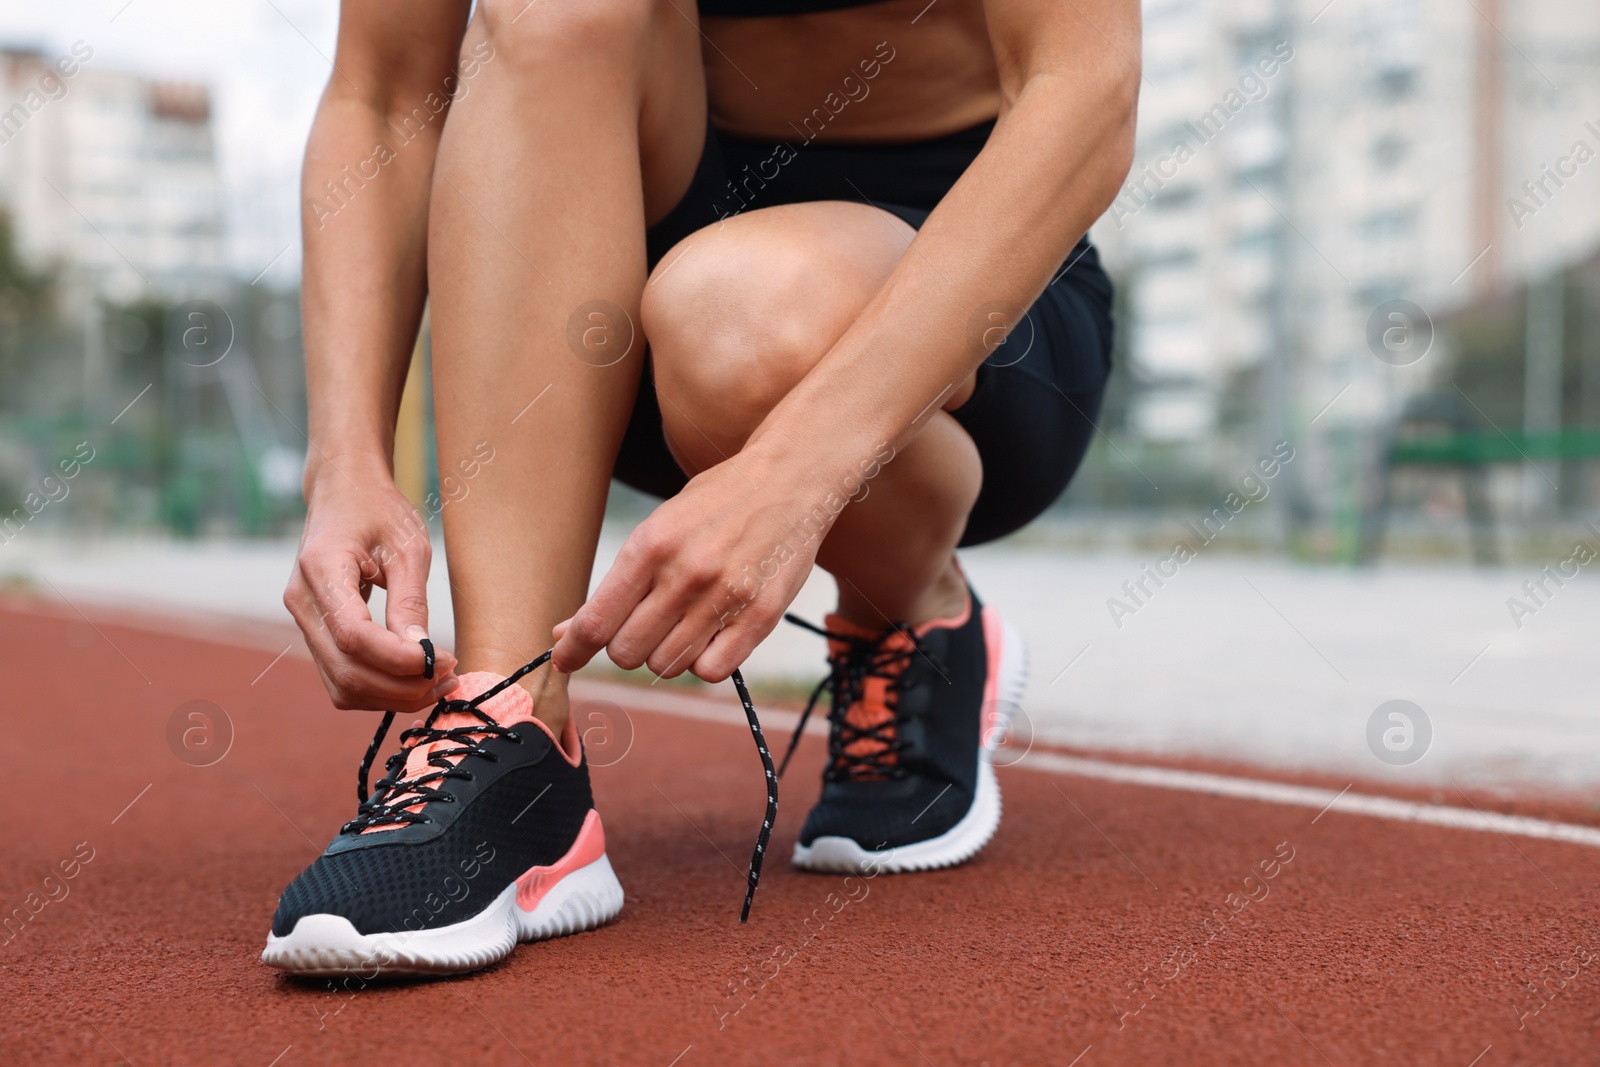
(266, 62)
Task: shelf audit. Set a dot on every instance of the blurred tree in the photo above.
(27, 307)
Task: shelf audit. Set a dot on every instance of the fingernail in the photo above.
(449, 685)
(415, 633)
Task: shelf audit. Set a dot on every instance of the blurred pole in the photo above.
(1589, 377)
(1278, 414)
(1489, 129)
(1541, 390)
(410, 431)
(96, 367)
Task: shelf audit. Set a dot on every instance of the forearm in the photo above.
(1051, 167)
(365, 195)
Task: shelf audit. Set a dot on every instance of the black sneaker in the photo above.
(915, 712)
(482, 834)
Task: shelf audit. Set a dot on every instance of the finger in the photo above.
(342, 611)
(721, 656)
(678, 651)
(643, 631)
(353, 685)
(405, 581)
(597, 622)
(730, 647)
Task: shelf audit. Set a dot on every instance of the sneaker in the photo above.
(915, 712)
(483, 833)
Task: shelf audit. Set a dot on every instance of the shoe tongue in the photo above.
(513, 704)
(885, 636)
(872, 709)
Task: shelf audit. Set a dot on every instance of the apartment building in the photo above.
(109, 175)
(1300, 162)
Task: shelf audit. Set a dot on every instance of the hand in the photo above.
(361, 532)
(704, 579)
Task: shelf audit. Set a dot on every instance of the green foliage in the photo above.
(27, 309)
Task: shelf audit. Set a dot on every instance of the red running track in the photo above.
(1079, 936)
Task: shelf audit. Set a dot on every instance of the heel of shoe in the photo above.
(578, 892)
(583, 900)
(1008, 678)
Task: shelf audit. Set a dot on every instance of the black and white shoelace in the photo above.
(860, 751)
(394, 793)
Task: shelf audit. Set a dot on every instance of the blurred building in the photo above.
(109, 175)
(1300, 162)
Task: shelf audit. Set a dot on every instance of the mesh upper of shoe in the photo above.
(401, 885)
(508, 707)
(943, 697)
(454, 876)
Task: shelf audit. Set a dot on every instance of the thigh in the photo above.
(749, 305)
(813, 265)
(796, 277)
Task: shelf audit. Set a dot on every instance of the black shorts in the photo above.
(1032, 413)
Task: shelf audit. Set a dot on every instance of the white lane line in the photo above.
(1303, 796)
(691, 706)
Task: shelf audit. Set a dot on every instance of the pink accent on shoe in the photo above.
(569, 746)
(511, 706)
(949, 623)
(534, 883)
(993, 641)
(872, 709)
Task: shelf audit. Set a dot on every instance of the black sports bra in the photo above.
(747, 9)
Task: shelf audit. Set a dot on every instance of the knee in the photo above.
(729, 336)
(537, 30)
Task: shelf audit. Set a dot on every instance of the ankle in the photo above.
(551, 704)
(942, 596)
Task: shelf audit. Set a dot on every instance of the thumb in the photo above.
(406, 582)
(406, 608)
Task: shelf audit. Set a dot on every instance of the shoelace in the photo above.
(863, 657)
(394, 793)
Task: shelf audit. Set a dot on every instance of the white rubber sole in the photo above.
(966, 838)
(328, 945)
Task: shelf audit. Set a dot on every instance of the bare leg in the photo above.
(585, 124)
(787, 282)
